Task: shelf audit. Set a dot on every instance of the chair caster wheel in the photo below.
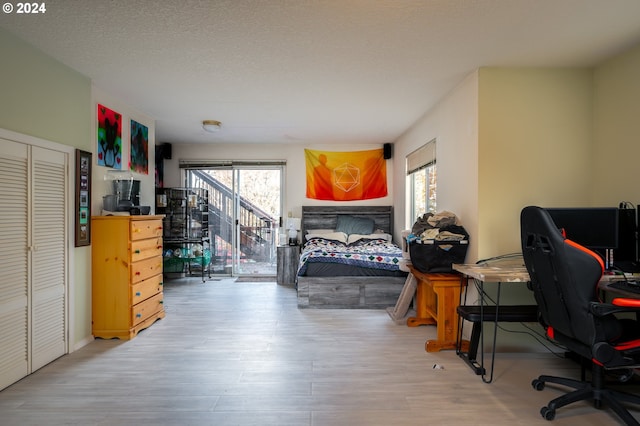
(537, 384)
(548, 413)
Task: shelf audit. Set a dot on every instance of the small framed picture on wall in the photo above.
(83, 198)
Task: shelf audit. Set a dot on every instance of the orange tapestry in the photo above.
(346, 176)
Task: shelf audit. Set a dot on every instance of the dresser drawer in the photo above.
(143, 249)
(146, 308)
(145, 289)
(146, 268)
(142, 229)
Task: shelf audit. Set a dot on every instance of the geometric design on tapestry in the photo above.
(346, 177)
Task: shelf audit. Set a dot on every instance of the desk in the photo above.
(479, 314)
(521, 313)
(437, 296)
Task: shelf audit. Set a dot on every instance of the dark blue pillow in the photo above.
(354, 225)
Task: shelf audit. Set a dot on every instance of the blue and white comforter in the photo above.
(368, 253)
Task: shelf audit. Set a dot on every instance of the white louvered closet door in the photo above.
(14, 348)
(33, 256)
(49, 235)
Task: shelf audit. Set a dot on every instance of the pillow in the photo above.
(357, 237)
(354, 225)
(320, 231)
(335, 236)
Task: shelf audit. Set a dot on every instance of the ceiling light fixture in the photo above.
(211, 126)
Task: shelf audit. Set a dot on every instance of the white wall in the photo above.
(100, 187)
(295, 177)
(453, 123)
(506, 138)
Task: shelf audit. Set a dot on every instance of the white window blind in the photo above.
(421, 157)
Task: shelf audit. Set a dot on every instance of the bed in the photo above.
(329, 277)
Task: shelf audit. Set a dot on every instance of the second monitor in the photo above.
(593, 227)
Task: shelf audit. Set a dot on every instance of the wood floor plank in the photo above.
(232, 353)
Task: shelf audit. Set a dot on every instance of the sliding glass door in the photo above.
(245, 210)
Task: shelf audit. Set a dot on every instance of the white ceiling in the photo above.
(321, 71)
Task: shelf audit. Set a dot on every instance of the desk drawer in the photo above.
(145, 289)
(143, 249)
(145, 309)
(142, 229)
(146, 269)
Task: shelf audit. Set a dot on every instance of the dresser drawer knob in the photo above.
(137, 273)
(137, 251)
(138, 315)
(162, 302)
(137, 293)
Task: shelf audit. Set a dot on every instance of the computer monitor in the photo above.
(627, 250)
(593, 227)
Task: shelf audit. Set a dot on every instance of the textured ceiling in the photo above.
(323, 71)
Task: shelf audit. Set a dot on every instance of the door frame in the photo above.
(234, 167)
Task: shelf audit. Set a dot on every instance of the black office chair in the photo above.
(564, 279)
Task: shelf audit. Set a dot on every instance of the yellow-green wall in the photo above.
(616, 165)
(534, 147)
(43, 98)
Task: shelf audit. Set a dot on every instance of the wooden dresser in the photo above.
(126, 254)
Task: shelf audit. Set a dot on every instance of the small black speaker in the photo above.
(166, 151)
(386, 150)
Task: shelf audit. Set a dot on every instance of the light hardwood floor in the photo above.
(243, 354)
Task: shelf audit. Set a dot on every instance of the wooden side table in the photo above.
(437, 297)
(288, 258)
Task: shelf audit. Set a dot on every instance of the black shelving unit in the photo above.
(186, 242)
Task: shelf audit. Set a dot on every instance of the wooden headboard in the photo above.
(326, 217)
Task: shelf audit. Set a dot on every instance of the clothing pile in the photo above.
(443, 226)
(437, 241)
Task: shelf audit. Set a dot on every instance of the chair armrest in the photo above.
(617, 305)
(628, 303)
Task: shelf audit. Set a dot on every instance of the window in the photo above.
(421, 180)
